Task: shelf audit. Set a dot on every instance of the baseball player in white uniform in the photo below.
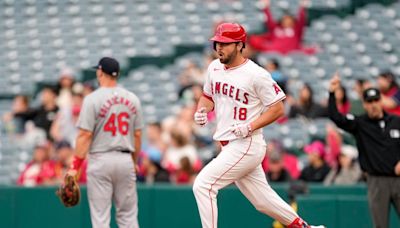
(245, 99)
(110, 126)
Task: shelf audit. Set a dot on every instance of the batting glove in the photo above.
(200, 117)
(241, 130)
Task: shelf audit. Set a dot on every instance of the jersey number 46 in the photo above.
(118, 123)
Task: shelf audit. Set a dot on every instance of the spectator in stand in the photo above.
(64, 126)
(193, 74)
(155, 146)
(276, 169)
(333, 145)
(317, 168)
(64, 153)
(390, 93)
(283, 36)
(16, 123)
(305, 106)
(342, 102)
(185, 174)
(63, 156)
(361, 85)
(273, 68)
(348, 171)
(187, 76)
(191, 94)
(184, 121)
(39, 171)
(179, 148)
(44, 115)
(290, 162)
(33, 136)
(88, 87)
(64, 88)
(152, 171)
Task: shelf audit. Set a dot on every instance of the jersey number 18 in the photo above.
(239, 113)
(117, 123)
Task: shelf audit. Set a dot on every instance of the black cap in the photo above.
(109, 66)
(62, 144)
(371, 94)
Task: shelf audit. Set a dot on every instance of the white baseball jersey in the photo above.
(240, 94)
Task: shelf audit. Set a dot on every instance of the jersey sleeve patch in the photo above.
(277, 88)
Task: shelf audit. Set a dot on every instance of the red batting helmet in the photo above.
(229, 33)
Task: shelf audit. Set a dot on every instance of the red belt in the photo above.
(224, 143)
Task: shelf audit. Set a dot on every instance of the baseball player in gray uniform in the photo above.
(110, 126)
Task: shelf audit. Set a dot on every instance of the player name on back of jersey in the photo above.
(231, 91)
(116, 100)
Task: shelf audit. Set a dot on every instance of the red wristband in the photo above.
(76, 163)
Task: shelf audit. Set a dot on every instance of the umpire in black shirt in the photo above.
(377, 136)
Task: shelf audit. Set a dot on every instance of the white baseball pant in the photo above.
(111, 177)
(239, 162)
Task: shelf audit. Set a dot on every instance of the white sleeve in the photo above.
(268, 90)
(207, 87)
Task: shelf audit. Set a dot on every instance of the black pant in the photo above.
(382, 191)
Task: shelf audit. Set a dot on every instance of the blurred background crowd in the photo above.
(38, 128)
(175, 149)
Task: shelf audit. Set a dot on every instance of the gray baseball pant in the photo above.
(111, 178)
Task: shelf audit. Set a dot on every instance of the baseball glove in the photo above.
(69, 192)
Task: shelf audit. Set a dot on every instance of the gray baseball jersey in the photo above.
(112, 114)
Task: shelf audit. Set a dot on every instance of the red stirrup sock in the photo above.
(298, 223)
